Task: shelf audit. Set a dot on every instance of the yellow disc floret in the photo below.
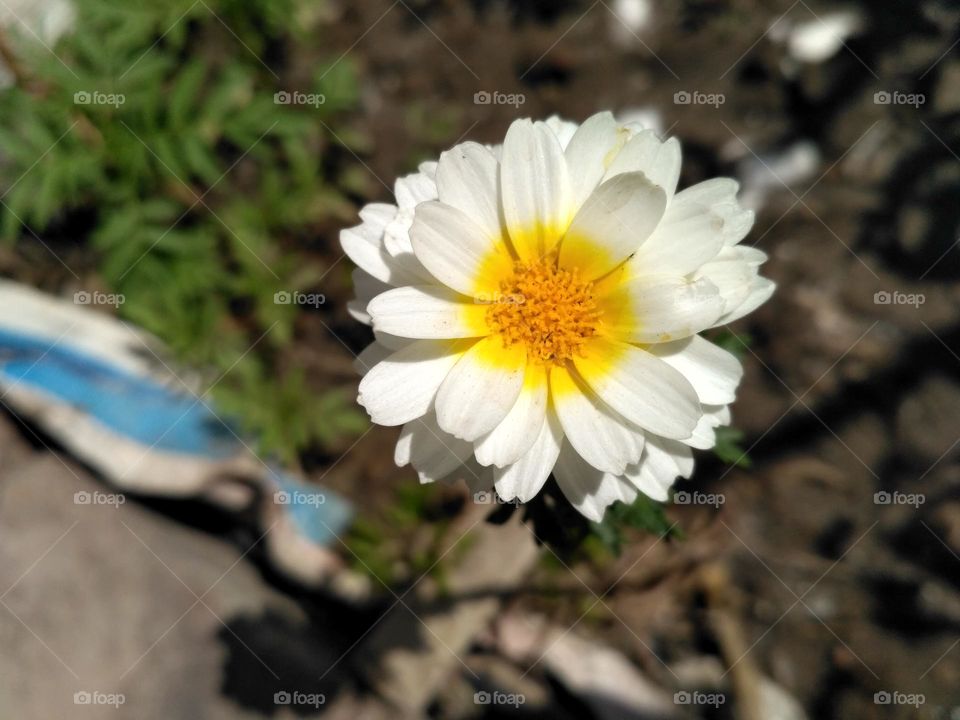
(548, 309)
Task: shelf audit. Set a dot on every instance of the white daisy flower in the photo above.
(536, 309)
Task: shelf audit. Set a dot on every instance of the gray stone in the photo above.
(100, 595)
(928, 421)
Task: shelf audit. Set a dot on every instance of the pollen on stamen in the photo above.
(548, 309)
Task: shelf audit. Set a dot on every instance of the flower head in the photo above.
(536, 309)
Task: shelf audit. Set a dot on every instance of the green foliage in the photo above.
(395, 545)
(643, 514)
(275, 408)
(158, 121)
(730, 341)
(371, 550)
(729, 449)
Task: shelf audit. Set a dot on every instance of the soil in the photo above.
(837, 597)
(832, 567)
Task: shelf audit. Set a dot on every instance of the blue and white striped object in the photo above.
(100, 388)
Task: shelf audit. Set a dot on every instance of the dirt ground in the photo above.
(801, 575)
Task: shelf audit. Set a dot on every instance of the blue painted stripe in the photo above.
(135, 407)
(156, 416)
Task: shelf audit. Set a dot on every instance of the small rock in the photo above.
(946, 97)
(704, 671)
(777, 703)
(602, 677)
(817, 39)
(927, 421)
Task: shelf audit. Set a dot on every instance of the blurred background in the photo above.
(173, 178)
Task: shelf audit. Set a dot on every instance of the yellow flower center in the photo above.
(548, 309)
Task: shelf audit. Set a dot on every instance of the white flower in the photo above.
(536, 310)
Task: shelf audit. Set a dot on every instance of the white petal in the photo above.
(410, 191)
(376, 216)
(613, 222)
(732, 274)
(628, 493)
(752, 256)
(413, 189)
(588, 490)
(507, 442)
(590, 152)
(761, 289)
(601, 436)
(535, 188)
(432, 452)
(394, 342)
(366, 287)
(662, 463)
(713, 372)
(641, 387)
(481, 388)
(680, 453)
(650, 484)
(660, 309)
(659, 161)
(720, 195)
(468, 179)
(358, 311)
(688, 236)
(711, 192)
(372, 354)
(429, 169)
(427, 312)
(737, 222)
(457, 251)
(705, 434)
(563, 129)
(721, 412)
(364, 245)
(402, 387)
(524, 478)
(396, 241)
